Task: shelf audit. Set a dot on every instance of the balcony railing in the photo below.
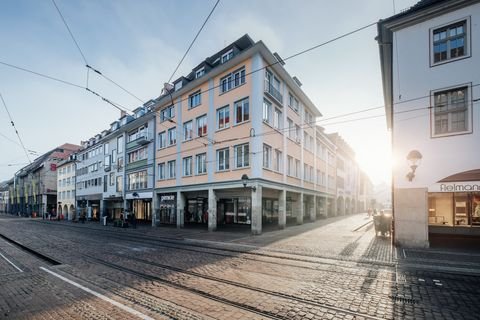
(136, 164)
(270, 89)
(141, 140)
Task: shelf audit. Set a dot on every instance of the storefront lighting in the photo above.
(414, 158)
(245, 181)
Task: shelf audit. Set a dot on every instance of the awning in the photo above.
(471, 175)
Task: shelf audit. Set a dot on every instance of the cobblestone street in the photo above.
(330, 269)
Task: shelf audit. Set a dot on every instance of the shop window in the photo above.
(461, 213)
(440, 209)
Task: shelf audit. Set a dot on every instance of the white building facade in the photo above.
(430, 68)
(66, 189)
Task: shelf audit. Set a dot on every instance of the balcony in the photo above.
(141, 140)
(136, 164)
(273, 92)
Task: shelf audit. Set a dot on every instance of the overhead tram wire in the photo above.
(183, 58)
(91, 68)
(15, 128)
(474, 102)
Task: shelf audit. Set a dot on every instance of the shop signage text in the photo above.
(459, 187)
(167, 198)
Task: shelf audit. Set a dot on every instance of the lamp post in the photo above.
(245, 181)
(414, 158)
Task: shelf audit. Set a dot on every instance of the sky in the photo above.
(138, 43)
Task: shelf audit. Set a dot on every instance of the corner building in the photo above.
(236, 143)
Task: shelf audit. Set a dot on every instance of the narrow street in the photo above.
(330, 269)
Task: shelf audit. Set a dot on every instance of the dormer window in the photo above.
(200, 72)
(178, 85)
(227, 56)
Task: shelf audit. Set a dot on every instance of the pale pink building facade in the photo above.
(236, 143)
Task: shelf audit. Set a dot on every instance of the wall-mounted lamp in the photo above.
(245, 181)
(414, 158)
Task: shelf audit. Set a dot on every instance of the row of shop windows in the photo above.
(454, 209)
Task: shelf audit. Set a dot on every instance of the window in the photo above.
(272, 86)
(311, 175)
(319, 178)
(200, 72)
(297, 133)
(291, 131)
(223, 159)
(106, 163)
(187, 166)
(171, 169)
(267, 111)
(232, 80)
(451, 112)
(162, 140)
(120, 144)
(242, 155)
(161, 171)
(172, 136)
(290, 166)
(227, 56)
(223, 117)
(119, 186)
(187, 131)
(167, 113)
(119, 163)
(450, 42)
(297, 168)
(278, 161)
(194, 99)
(242, 112)
(267, 156)
(202, 126)
(293, 102)
(112, 178)
(137, 180)
(105, 148)
(201, 163)
(137, 155)
(306, 177)
(277, 119)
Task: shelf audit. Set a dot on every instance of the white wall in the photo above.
(415, 78)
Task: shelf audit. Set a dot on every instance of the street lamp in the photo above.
(245, 181)
(414, 158)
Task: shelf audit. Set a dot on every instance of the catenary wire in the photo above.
(15, 128)
(193, 41)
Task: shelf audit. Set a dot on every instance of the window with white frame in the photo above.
(171, 169)
(120, 144)
(450, 42)
(312, 177)
(105, 148)
(187, 166)
(297, 168)
(277, 119)
(137, 155)
(223, 159)
(227, 56)
(167, 113)
(223, 117)
(162, 140)
(172, 136)
(200, 72)
(161, 171)
(202, 126)
(201, 163)
(278, 161)
(290, 166)
(242, 112)
(297, 133)
(187, 130)
(267, 111)
(242, 155)
(293, 102)
(306, 177)
(291, 129)
(195, 99)
(232, 80)
(451, 111)
(267, 156)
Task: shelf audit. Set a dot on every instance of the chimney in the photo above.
(123, 113)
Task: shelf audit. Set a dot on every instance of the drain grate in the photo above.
(403, 300)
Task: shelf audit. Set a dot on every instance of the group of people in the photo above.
(129, 217)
